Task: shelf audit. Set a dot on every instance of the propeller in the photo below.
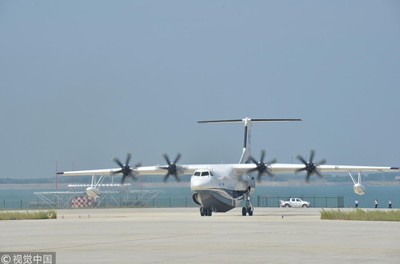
(261, 167)
(126, 169)
(310, 167)
(172, 168)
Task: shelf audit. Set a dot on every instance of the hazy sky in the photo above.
(84, 81)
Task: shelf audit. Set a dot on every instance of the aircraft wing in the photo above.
(239, 168)
(89, 172)
(139, 171)
(331, 168)
(346, 168)
(293, 168)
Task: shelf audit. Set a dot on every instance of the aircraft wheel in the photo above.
(250, 211)
(209, 212)
(244, 211)
(202, 211)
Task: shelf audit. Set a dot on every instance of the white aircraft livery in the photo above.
(222, 187)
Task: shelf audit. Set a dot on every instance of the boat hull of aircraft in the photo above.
(220, 190)
(216, 200)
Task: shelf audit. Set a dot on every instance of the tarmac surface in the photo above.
(181, 235)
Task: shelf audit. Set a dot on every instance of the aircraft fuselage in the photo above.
(219, 189)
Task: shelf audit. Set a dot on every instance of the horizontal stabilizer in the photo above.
(247, 127)
(250, 119)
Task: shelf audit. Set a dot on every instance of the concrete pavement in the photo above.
(181, 235)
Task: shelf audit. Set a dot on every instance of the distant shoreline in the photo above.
(31, 186)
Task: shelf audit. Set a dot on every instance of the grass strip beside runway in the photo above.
(361, 215)
(28, 215)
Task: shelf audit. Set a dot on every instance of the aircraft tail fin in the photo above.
(247, 130)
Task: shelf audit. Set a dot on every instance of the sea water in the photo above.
(316, 194)
(172, 196)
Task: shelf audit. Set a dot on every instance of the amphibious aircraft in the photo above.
(222, 187)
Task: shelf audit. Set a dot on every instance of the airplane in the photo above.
(222, 187)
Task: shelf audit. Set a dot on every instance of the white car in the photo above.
(294, 202)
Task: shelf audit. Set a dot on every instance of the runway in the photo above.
(181, 235)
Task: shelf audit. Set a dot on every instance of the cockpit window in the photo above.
(203, 173)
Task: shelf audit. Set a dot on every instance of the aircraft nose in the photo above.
(199, 182)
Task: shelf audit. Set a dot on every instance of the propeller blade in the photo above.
(118, 162)
(308, 177)
(126, 169)
(178, 156)
(166, 177)
(272, 162)
(128, 158)
(172, 168)
(310, 167)
(118, 171)
(302, 169)
(177, 178)
(312, 154)
(252, 170)
(299, 157)
(253, 160)
(166, 159)
(259, 176)
(318, 174)
(261, 167)
(131, 175)
(123, 178)
(262, 156)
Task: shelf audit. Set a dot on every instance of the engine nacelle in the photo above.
(92, 192)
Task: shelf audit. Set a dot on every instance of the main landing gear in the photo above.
(249, 207)
(205, 211)
(247, 210)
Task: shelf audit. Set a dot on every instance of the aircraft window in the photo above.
(197, 173)
(205, 173)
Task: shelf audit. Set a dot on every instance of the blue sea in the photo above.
(170, 196)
